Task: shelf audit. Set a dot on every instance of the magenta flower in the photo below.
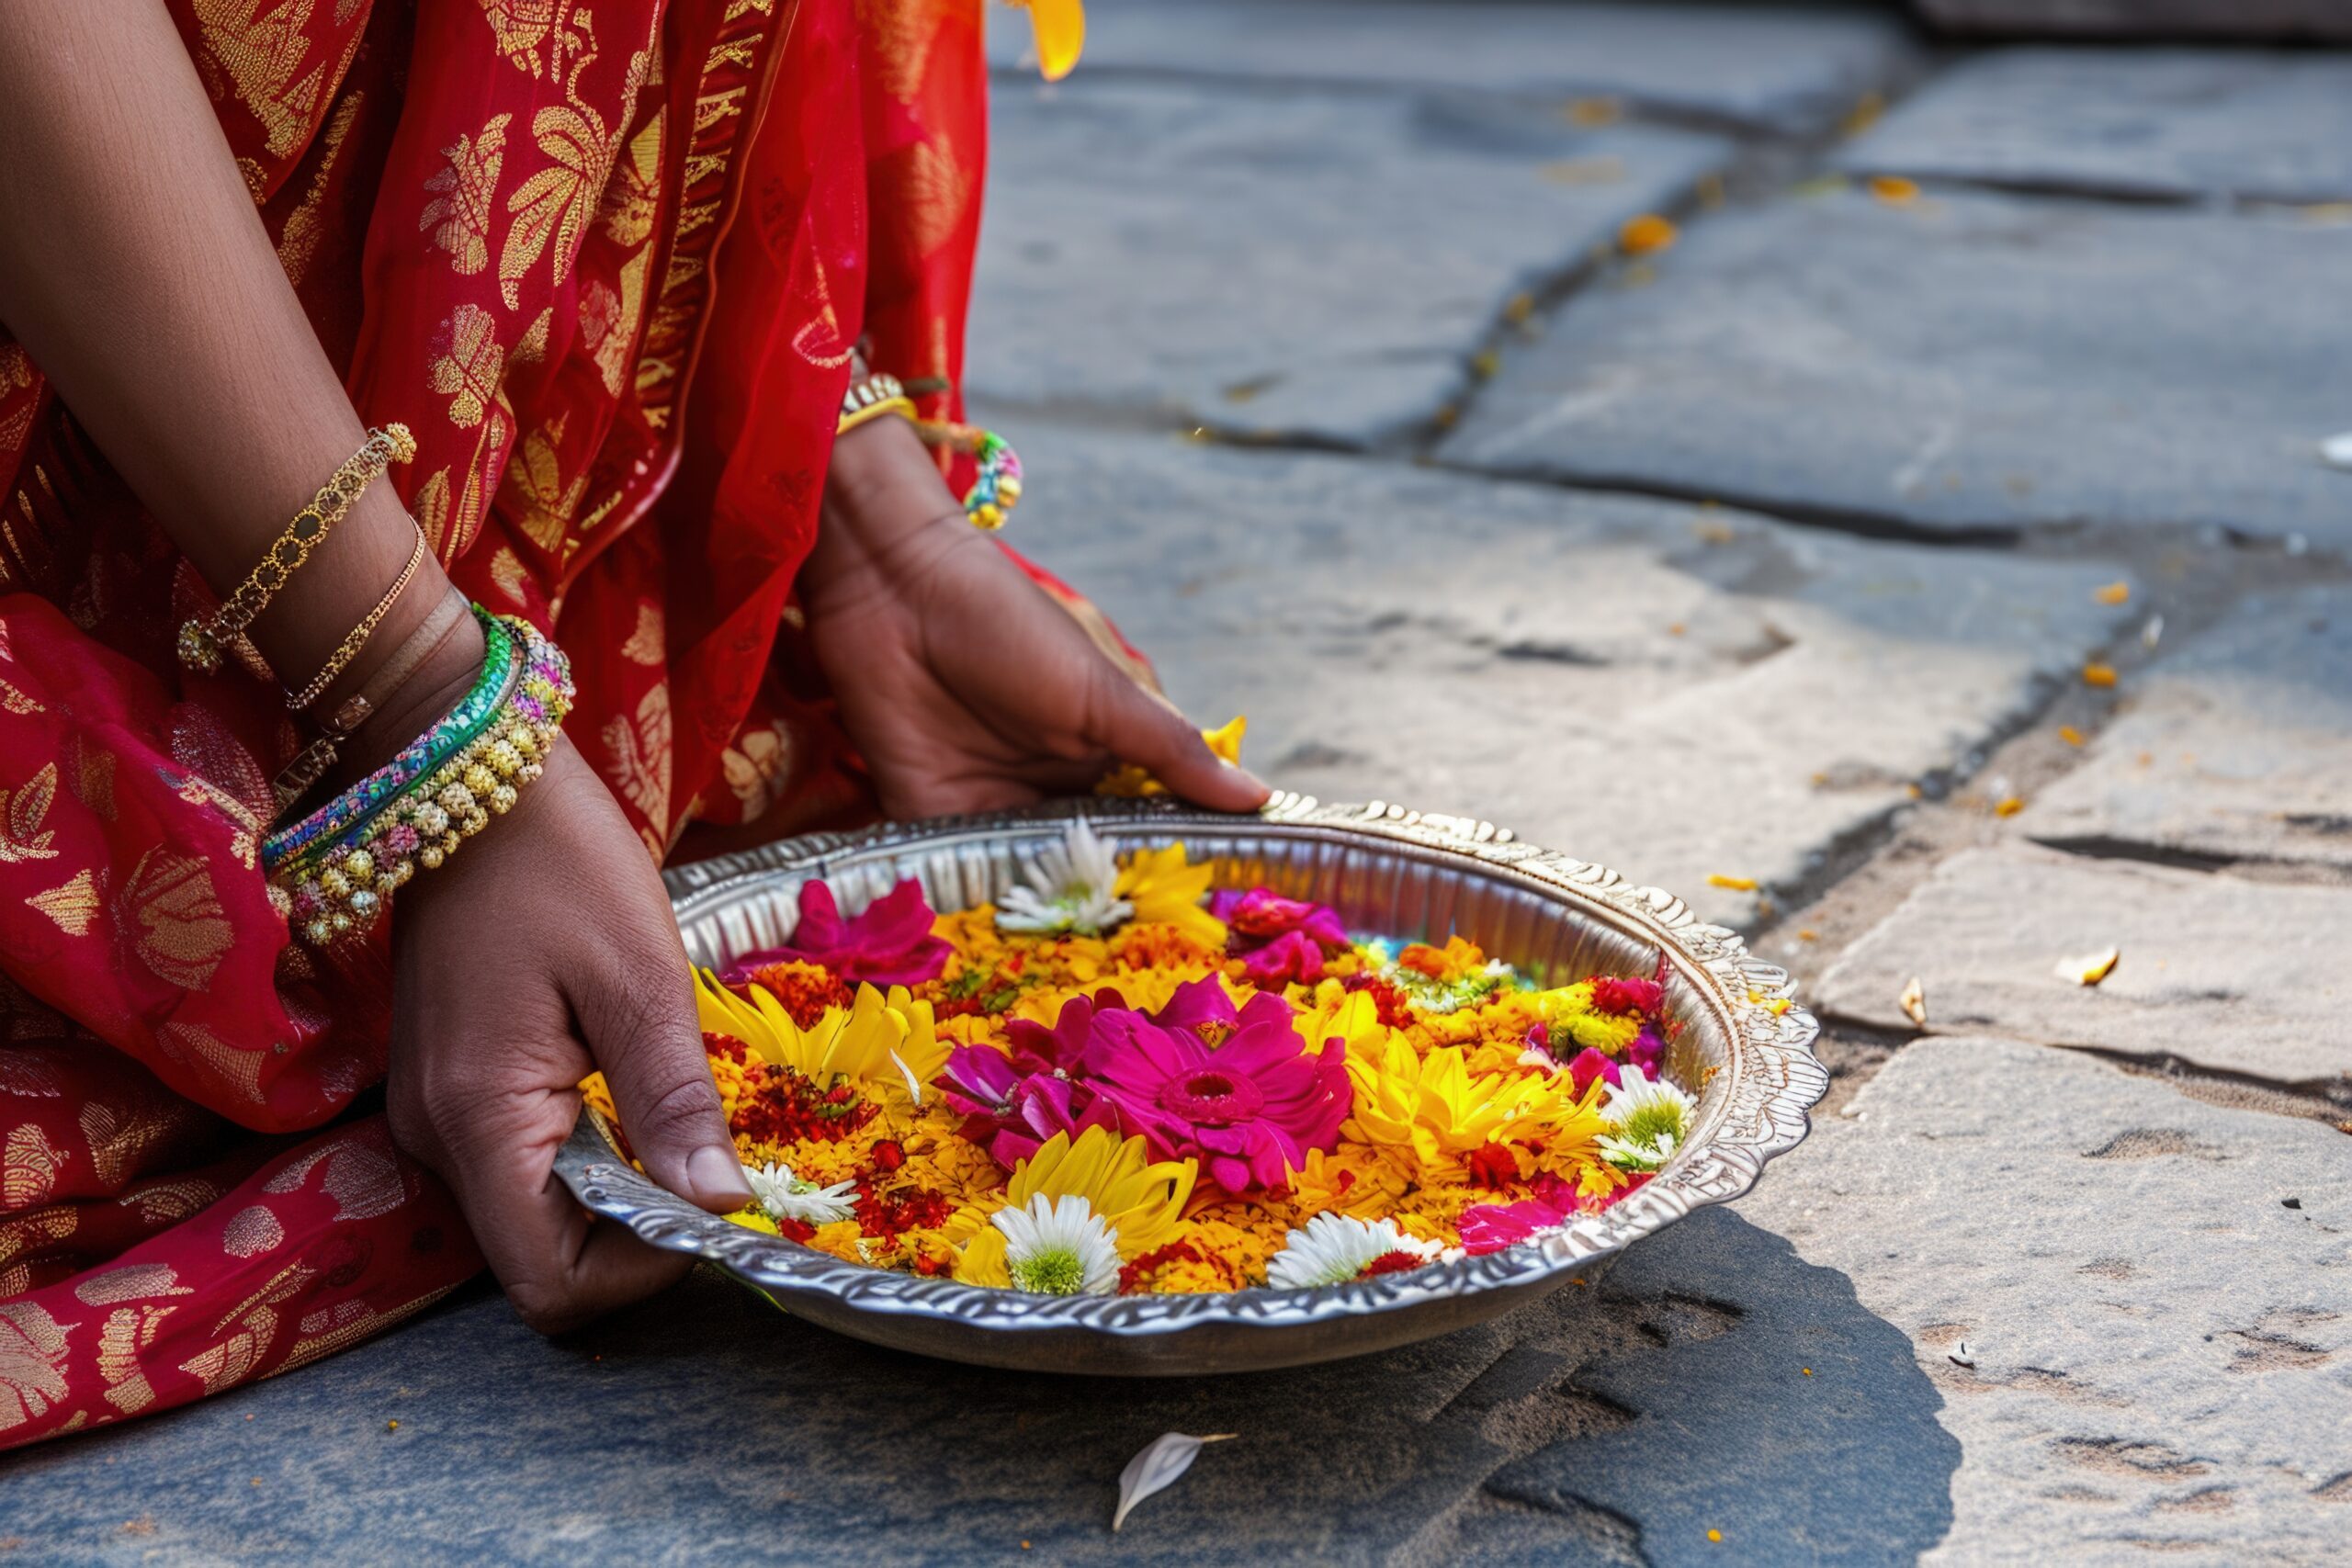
(1011, 1113)
(1647, 1052)
(1589, 1065)
(1293, 955)
(1261, 915)
(1204, 1009)
(1490, 1227)
(1037, 1049)
(889, 945)
(1248, 1110)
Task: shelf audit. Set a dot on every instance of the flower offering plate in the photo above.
(1382, 868)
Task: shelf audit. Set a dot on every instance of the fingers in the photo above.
(494, 1141)
(1137, 726)
(638, 1020)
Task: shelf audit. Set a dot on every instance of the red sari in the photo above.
(608, 261)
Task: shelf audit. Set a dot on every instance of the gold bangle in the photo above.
(201, 641)
(871, 396)
(903, 407)
(356, 638)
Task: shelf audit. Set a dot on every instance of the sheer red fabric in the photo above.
(609, 262)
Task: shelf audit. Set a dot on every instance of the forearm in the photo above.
(135, 269)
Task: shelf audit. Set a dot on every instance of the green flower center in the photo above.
(1059, 1271)
(1653, 1117)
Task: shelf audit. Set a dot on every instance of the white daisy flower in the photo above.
(1626, 1154)
(1650, 1119)
(1070, 888)
(1331, 1250)
(1059, 1248)
(788, 1197)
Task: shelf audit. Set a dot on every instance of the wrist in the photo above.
(438, 683)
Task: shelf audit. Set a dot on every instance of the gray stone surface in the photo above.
(1305, 263)
(1405, 634)
(1793, 69)
(2245, 977)
(2185, 123)
(2156, 1295)
(1962, 362)
(1605, 1425)
(2238, 747)
(2221, 19)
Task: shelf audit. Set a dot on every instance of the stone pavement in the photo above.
(1774, 557)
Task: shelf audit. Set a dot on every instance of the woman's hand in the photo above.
(542, 951)
(964, 685)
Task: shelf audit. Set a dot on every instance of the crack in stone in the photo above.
(2123, 1457)
(2149, 1143)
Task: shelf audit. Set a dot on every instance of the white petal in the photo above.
(1156, 1468)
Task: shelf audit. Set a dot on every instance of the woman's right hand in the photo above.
(542, 951)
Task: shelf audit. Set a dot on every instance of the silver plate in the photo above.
(1387, 870)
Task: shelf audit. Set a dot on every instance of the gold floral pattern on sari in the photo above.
(182, 932)
(32, 1362)
(465, 189)
(262, 50)
(638, 754)
(73, 904)
(28, 1166)
(22, 836)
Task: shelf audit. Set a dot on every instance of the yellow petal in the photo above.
(1060, 27)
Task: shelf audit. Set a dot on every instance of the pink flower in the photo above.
(1248, 1110)
(1261, 915)
(1490, 1227)
(1037, 1049)
(1589, 1065)
(1611, 994)
(1293, 955)
(889, 945)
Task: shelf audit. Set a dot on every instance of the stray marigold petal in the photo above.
(2100, 675)
(2091, 967)
(1895, 190)
(2113, 593)
(1737, 883)
(2070, 735)
(2008, 806)
(1646, 234)
(1913, 1002)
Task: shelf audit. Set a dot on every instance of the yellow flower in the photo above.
(1573, 1025)
(883, 1040)
(1435, 1108)
(1141, 1202)
(1166, 889)
(1133, 780)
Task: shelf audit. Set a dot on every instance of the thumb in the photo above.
(640, 1027)
(1142, 727)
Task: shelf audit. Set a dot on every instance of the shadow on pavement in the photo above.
(1618, 1425)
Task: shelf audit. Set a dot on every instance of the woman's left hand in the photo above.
(965, 687)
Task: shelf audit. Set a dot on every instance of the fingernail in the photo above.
(717, 1176)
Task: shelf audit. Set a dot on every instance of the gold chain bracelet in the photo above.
(201, 641)
(357, 637)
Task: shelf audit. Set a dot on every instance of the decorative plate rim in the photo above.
(1769, 1084)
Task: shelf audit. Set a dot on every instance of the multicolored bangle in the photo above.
(350, 810)
(337, 869)
(995, 491)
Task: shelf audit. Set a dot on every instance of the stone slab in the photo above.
(2245, 977)
(1602, 1426)
(2158, 123)
(1963, 362)
(1303, 264)
(1675, 692)
(2156, 1295)
(2238, 747)
(1796, 70)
